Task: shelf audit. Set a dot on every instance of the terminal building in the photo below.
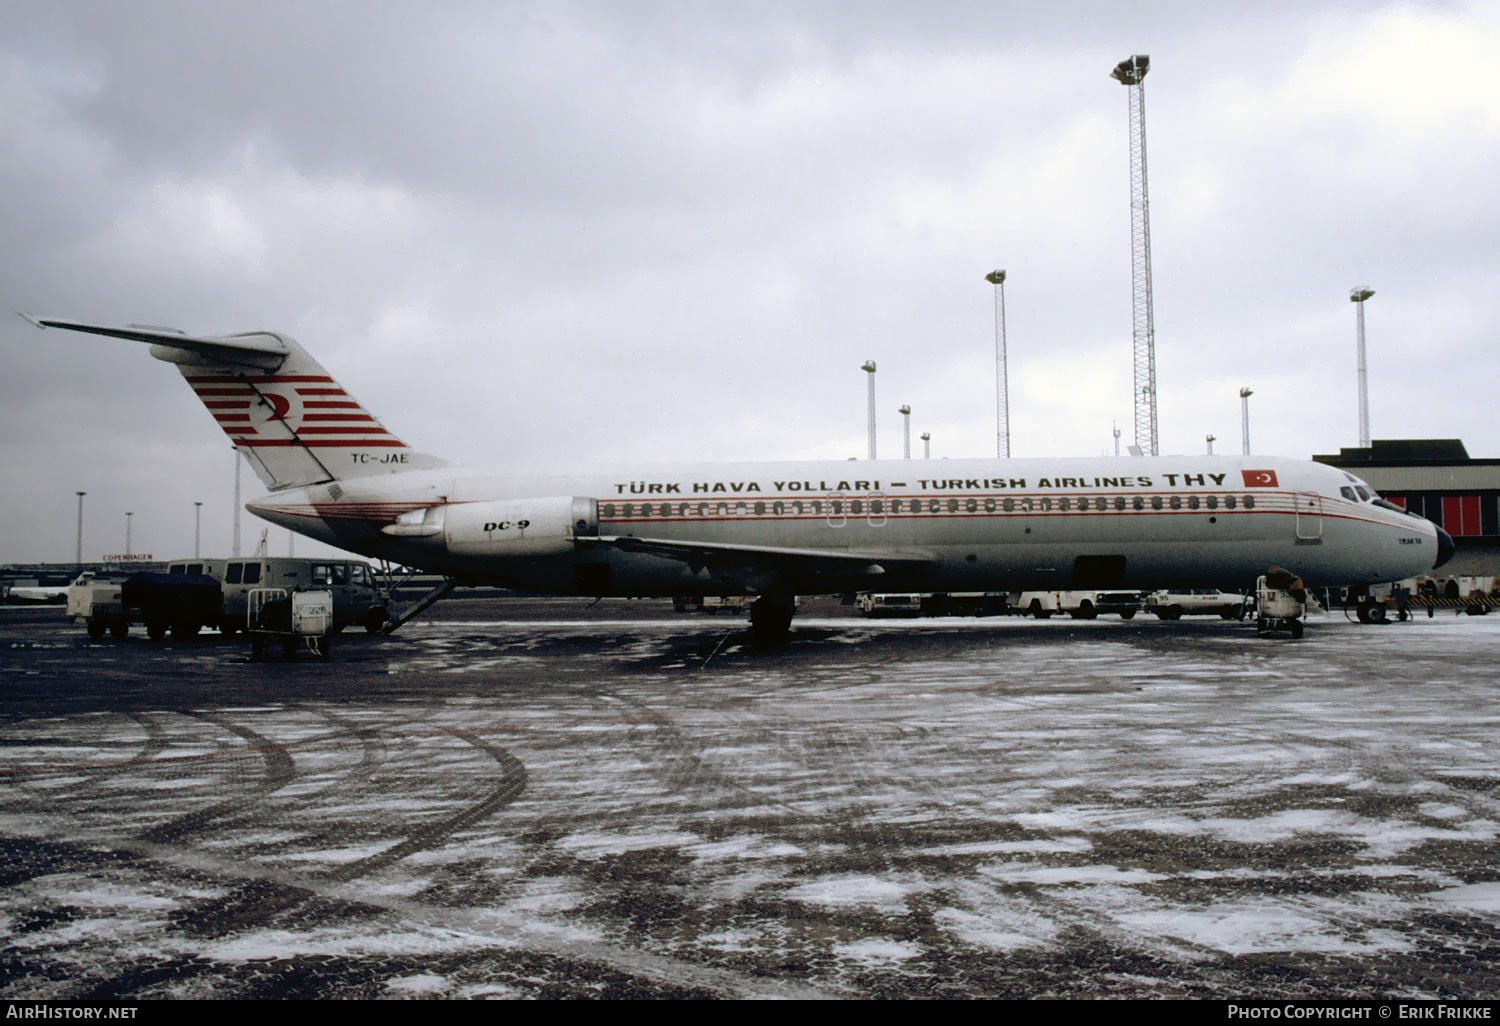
(1436, 478)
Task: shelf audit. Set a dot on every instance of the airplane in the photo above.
(777, 530)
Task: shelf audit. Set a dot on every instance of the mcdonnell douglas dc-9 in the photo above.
(779, 530)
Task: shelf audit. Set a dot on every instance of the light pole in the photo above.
(1245, 395)
(78, 551)
(906, 432)
(927, 445)
(235, 548)
(1210, 440)
(869, 368)
(127, 532)
(1357, 296)
(197, 529)
(1002, 397)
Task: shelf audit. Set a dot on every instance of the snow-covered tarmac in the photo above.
(994, 807)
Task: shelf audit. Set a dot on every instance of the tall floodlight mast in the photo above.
(1002, 397)
(869, 368)
(1357, 296)
(1130, 72)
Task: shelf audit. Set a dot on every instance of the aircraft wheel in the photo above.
(1296, 627)
(771, 619)
(96, 629)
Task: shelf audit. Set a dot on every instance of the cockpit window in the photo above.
(1364, 493)
(1348, 493)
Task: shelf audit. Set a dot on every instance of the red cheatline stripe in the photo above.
(232, 418)
(321, 391)
(227, 404)
(350, 405)
(204, 393)
(340, 416)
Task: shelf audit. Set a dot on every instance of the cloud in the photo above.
(542, 235)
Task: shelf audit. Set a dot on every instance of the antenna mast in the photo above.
(1130, 72)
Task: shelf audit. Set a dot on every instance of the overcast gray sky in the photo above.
(546, 234)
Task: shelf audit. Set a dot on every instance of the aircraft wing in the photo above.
(803, 562)
(252, 349)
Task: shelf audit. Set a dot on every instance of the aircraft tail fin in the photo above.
(291, 420)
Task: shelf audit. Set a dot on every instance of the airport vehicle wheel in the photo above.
(184, 631)
(374, 620)
(1036, 610)
(96, 629)
(1174, 612)
(118, 630)
(289, 649)
(1377, 613)
(1260, 626)
(1128, 614)
(1086, 611)
(1296, 627)
(156, 631)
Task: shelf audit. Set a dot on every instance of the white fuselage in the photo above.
(949, 525)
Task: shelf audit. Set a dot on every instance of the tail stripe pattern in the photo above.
(300, 405)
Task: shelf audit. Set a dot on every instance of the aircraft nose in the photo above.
(1445, 547)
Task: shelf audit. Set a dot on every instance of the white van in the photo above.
(357, 597)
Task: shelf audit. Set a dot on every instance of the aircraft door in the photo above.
(1309, 517)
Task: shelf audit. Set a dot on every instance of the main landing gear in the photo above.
(771, 619)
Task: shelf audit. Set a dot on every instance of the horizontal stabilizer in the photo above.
(252, 349)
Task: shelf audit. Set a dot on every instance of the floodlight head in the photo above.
(1245, 393)
(995, 277)
(1131, 70)
(926, 436)
(1360, 293)
(868, 365)
(905, 409)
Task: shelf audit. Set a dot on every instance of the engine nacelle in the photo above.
(503, 527)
